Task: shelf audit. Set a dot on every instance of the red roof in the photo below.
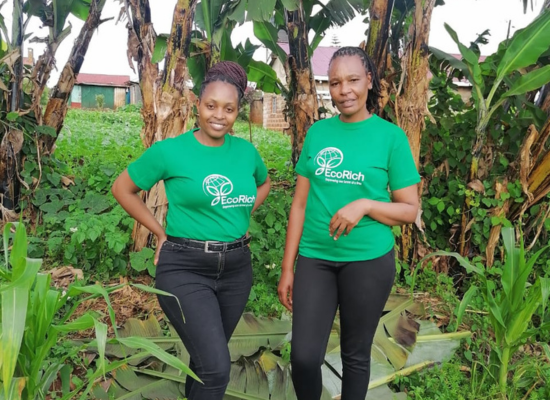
(102, 80)
(319, 61)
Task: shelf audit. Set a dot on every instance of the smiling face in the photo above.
(349, 85)
(218, 110)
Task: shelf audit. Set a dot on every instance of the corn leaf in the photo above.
(510, 271)
(468, 296)
(155, 350)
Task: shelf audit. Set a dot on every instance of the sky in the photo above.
(107, 51)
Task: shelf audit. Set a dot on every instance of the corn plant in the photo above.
(511, 304)
(30, 327)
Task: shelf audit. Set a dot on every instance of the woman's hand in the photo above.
(286, 283)
(160, 242)
(348, 217)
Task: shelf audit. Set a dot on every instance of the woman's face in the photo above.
(218, 109)
(349, 85)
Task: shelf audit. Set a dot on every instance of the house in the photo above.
(117, 91)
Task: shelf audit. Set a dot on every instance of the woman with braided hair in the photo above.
(213, 182)
(340, 228)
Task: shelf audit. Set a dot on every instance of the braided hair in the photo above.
(374, 93)
(226, 71)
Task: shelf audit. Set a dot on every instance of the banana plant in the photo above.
(261, 371)
(211, 43)
(30, 327)
(517, 69)
(511, 305)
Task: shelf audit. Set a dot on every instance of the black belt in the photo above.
(210, 246)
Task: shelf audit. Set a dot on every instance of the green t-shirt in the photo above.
(210, 190)
(345, 162)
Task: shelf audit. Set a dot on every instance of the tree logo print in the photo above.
(328, 158)
(217, 186)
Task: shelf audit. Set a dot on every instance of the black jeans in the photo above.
(361, 289)
(213, 289)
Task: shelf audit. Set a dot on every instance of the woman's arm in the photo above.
(263, 192)
(125, 192)
(293, 236)
(402, 210)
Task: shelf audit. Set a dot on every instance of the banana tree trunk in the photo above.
(57, 106)
(166, 106)
(379, 32)
(10, 147)
(302, 105)
(412, 105)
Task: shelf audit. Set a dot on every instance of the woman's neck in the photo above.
(357, 117)
(209, 141)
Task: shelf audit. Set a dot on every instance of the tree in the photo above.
(296, 18)
(26, 125)
(166, 100)
(335, 41)
(380, 13)
(56, 110)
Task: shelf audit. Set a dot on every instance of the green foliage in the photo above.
(82, 223)
(35, 317)
(447, 382)
(510, 305)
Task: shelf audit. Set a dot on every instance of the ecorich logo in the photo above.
(328, 160)
(220, 187)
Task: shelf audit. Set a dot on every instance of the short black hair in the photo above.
(374, 93)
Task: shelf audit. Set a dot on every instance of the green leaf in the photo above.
(267, 34)
(526, 46)
(46, 130)
(101, 339)
(149, 289)
(227, 51)
(264, 76)
(440, 206)
(453, 61)
(545, 292)
(521, 318)
(14, 312)
(95, 203)
(141, 260)
(197, 70)
(13, 390)
(468, 296)
(12, 116)
(472, 61)
(98, 291)
(511, 270)
(81, 9)
(530, 81)
(461, 260)
(82, 323)
(290, 5)
(518, 291)
(260, 10)
(210, 11)
(155, 350)
(161, 45)
(239, 12)
(61, 10)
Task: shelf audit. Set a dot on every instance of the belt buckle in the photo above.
(206, 243)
